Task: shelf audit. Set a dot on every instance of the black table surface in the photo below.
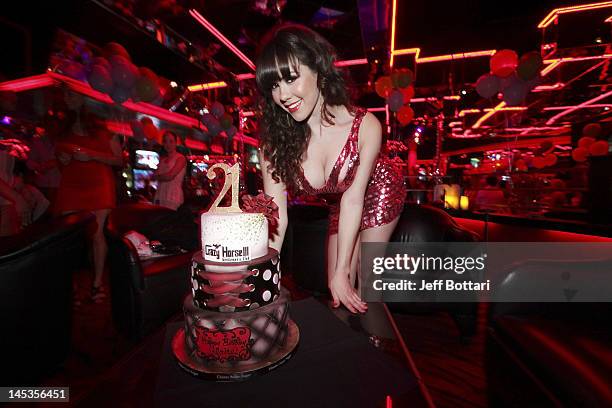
(341, 360)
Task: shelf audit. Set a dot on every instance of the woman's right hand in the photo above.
(342, 292)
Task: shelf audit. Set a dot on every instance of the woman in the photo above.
(88, 181)
(315, 141)
(170, 174)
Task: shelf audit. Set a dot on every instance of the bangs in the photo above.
(274, 65)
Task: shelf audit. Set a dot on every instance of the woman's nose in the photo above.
(284, 93)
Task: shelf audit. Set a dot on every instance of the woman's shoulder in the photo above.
(370, 126)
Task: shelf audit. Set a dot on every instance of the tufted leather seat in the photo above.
(424, 223)
(36, 268)
(144, 293)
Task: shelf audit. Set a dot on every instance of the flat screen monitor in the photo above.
(140, 178)
(147, 159)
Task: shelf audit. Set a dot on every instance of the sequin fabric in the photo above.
(384, 196)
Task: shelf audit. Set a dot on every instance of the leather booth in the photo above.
(305, 246)
(144, 293)
(36, 268)
(550, 354)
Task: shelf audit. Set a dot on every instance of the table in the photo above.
(358, 364)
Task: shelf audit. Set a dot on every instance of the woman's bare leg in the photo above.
(376, 234)
(99, 247)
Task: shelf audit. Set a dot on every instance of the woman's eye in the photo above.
(274, 85)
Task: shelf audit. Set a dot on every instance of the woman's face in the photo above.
(169, 143)
(298, 94)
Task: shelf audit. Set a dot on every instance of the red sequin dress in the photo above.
(385, 193)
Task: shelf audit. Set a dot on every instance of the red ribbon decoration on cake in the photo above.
(262, 203)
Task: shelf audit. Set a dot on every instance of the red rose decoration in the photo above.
(262, 203)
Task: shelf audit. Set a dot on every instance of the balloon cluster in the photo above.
(115, 74)
(397, 89)
(217, 121)
(543, 156)
(510, 76)
(588, 145)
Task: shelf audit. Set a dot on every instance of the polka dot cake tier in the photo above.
(236, 288)
(237, 320)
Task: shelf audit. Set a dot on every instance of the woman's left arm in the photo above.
(179, 164)
(114, 158)
(351, 209)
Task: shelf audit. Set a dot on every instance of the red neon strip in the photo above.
(222, 38)
(242, 77)
(582, 105)
(572, 9)
(389, 402)
(352, 62)
(593, 106)
(608, 20)
(383, 109)
(25, 84)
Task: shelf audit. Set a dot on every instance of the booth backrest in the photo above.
(36, 268)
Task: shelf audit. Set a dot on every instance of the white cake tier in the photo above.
(234, 237)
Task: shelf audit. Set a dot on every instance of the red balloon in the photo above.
(503, 63)
(592, 130)
(113, 48)
(405, 115)
(383, 86)
(586, 142)
(408, 93)
(580, 154)
(599, 148)
(550, 159)
(538, 162)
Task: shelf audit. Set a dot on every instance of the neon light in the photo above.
(25, 84)
(383, 109)
(352, 62)
(222, 38)
(458, 56)
(242, 77)
(549, 68)
(574, 59)
(433, 99)
(508, 108)
(248, 113)
(210, 85)
(544, 88)
(464, 112)
(389, 402)
(594, 106)
(393, 14)
(487, 115)
(582, 105)
(608, 20)
(572, 9)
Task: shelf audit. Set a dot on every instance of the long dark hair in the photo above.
(283, 139)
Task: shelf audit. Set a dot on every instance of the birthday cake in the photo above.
(237, 320)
